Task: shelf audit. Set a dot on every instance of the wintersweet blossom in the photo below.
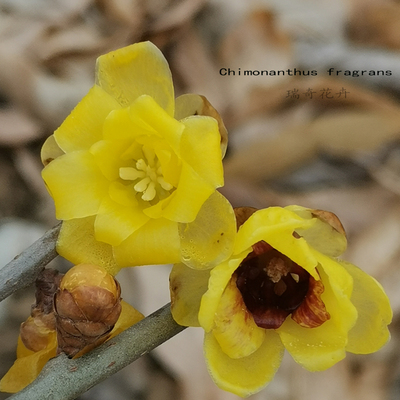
(282, 288)
(43, 334)
(133, 173)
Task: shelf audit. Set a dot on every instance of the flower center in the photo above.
(148, 172)
(273, 286)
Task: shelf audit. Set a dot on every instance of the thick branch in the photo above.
(64, 379)
(23, 269)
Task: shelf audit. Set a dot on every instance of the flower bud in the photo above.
(36, 329)
(87, 306)
(35, 334)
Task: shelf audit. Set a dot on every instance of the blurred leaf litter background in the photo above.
(326, 141)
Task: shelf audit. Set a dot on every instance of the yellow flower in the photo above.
(131, 171)
(39, 341)
(281, 288)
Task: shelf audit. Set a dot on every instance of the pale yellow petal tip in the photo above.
(248, 375)
(326, 235)
(370, 333)
(50, 150)
(187, 287)
(126, 54)
(77, 243)
(193, 104)
(134, 70)
(129, 316)
(210, 238)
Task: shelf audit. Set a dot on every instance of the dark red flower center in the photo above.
(273, 287)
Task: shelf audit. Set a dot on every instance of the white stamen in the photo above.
(141, 165)
(152, 174)
(149, 173)
(150, 192)
(130, 173)
(165, 185)
(295, 277)
(141, 186)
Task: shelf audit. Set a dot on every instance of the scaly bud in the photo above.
(87, 306)
(36, 329)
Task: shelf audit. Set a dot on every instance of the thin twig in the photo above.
(64, 379)
(23, 269)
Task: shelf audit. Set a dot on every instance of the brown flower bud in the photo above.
(35, 330)
(35, 334)
(87, 307)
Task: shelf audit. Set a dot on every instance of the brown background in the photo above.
(339, 154)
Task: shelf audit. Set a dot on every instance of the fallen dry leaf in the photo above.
(265, 158)
(193, 62)
(255, 44)
(17, 128)
(375, 24)
(347, 133)
(177, 14)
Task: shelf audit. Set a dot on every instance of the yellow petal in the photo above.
(128, 317)
(76, 243)
(142, 121)
(209, 239)
(186, 201)
(315, 349)
(370, 332)
(194, 104)
(157, 211)
(321, 235)
(219, 278)
(76, 185)
(275, 225)
(119, 125)
(115, 222)
(247, 375)
(151, 118)
(235, 329)
(188, 104)
(156, 242)
(134, 70)
(187, 286)
(26, 369)
(108, 157)
(319, 348)
(50, 150)
(84, 126)
(144, 117)
(170, 163)
(123, 194)
(200, 148)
